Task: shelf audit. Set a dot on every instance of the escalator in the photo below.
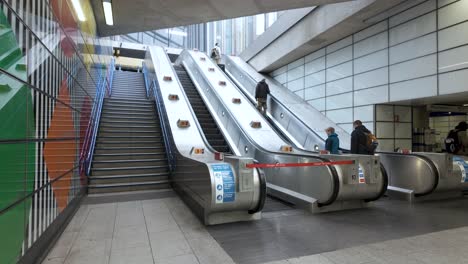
(210, 128)
(410, 175)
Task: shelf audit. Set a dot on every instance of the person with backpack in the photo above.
(332, 143)
(457, 141)
(261, 94)
(216, 53)
(362, 140)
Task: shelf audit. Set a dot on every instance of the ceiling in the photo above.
(143, 15)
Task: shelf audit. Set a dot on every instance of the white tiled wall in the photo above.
(393, 127)
(420, 52)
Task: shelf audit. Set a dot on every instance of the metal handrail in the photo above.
(145, 74)
(167, 133)
(153, 90)
(104, 85)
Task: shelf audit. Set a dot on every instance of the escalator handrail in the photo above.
(263, 191)
(332, 169)
(429, 162)
(275, 99)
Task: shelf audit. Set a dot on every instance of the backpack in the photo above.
(371, 143)
(452, 143)
(214, 53)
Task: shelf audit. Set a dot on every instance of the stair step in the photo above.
(130, 138)
(134, 121)
(115, 144)
(128, 133)
(133, 156)
(129, 114)
(133, 178)
(128, 150)
(129, 170)
(126, 187)
(129, 163)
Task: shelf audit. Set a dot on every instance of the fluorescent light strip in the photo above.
(78, 10)
(107, 5)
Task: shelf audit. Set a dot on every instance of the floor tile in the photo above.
(132, 255)
(169, 243)
(183, 259)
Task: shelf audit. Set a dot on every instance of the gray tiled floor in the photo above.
(158, 231)
(294, 233)
(164, 231)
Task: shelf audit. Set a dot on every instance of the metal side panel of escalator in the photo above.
(331, 187)
(193, 173)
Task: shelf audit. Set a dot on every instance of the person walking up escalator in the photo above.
(261, 94)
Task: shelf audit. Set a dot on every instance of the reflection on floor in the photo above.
(162, 230)
(293, 233)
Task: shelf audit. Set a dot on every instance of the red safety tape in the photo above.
(306, 164)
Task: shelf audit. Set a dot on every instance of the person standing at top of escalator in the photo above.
(261, 94)
(332, 144)
(457, 140)
(362, 140)
(216, 53)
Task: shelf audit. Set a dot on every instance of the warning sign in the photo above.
(463, 167)
(225, 183)
(362, 179)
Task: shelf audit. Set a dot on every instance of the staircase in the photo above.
(210, 128)
(129, 153)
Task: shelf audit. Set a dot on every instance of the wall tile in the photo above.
(417, 88)
(340, 71)
(371, 96)
(386, 145)
(453, 82)
(404, 113)
(384, 112)
(296, 85)
(445, 2)
(339, 101)
(453, 36)
(403, 130)
(413, 12)
(453, 14)
(340, 44)
(315, 55)
(364, 113)
(414, 48)
(453, 59)
(300, 93)
(282, 78)
(314, 92)
(371, 79)
(341, 116)
(315, 79)
(385, 130)
(295, 73)
(340, 86)
(315, 66)
(371, 62)
(340, 56)
(403, 143)
(371, 44)
(295, 64)
(370, 31)
(413, 29)
(413, 69)
(318, 104)
(279, 71)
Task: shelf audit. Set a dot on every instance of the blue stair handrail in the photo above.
(104, 84)
(154, 91)
(145, 74)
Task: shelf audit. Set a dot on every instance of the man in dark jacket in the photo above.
(359, 139)
(261, 93)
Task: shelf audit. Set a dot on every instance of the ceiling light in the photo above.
(107, 5)
(465, 105)
(78, 10)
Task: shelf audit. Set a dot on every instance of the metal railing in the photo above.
(154, 91)
(104, 85)
(145, 74)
